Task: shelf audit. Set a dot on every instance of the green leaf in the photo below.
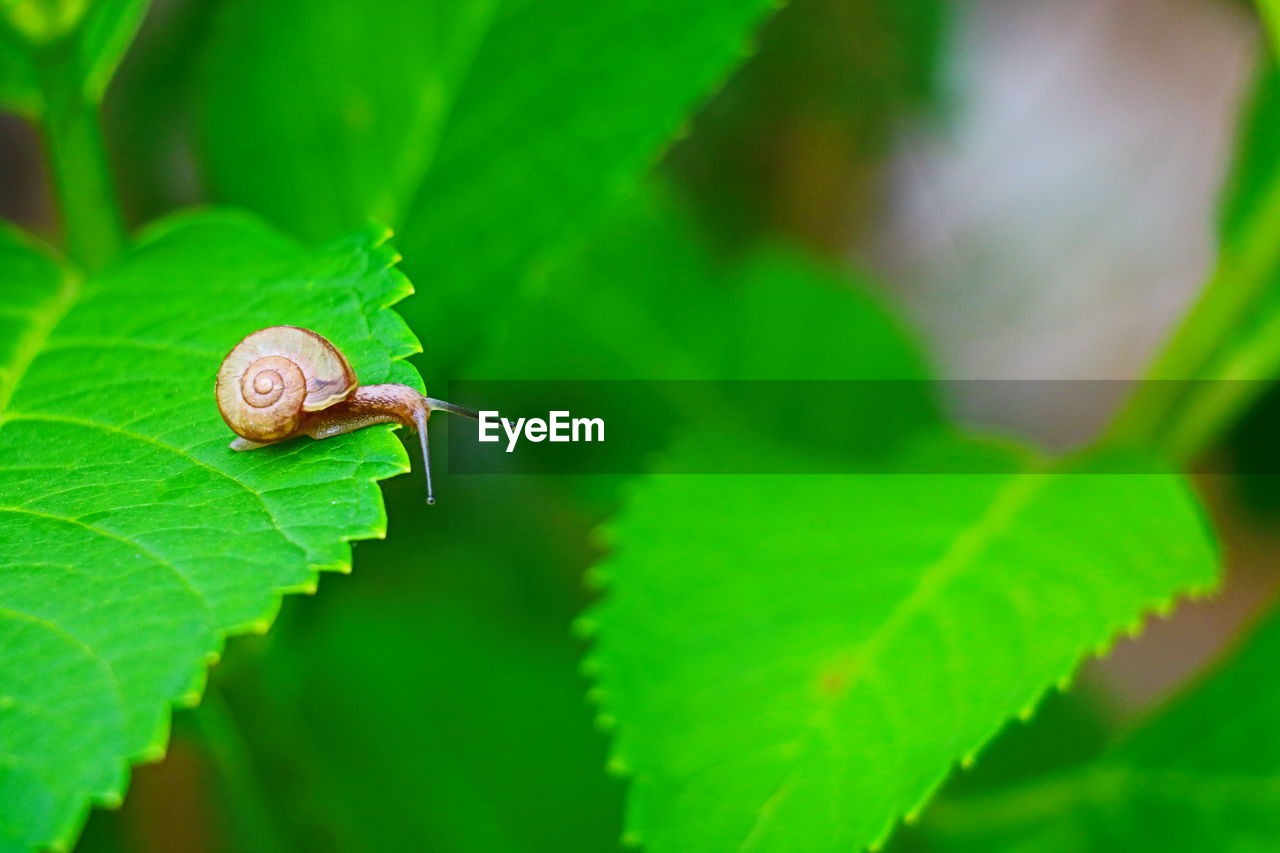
(1202, 774)
(90, 36)
(456, 643)
(321, 114)
(649, 322)
(133, 540)
(673, 312)
(508, 129)
(795, 662)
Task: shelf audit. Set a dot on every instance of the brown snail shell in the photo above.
(275, 376)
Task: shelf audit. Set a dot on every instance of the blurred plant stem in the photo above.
(1179, 416)
(1217, 361)
(1269, 10)
(249, 805)
(77, 159)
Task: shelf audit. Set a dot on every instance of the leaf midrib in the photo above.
(996, 518)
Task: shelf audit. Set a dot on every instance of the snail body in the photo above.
(284, 381)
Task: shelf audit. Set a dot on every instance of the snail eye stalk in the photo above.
(431, 404)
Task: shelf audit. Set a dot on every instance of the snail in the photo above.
(285, 381)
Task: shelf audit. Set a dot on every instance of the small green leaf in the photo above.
(133, 539)
(796, 662)
(90, 35)
(509, 126)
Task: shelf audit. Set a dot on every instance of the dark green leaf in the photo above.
(485, 136)
(322, 114)
(1203, 774)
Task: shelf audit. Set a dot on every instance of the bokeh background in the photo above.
(1032, 184)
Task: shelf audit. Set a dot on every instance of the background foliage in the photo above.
(629, 190)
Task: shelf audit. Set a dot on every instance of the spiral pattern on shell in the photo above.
(272, 378)
(273, 387)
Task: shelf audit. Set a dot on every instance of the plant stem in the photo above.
(1269, 10)
(1176, 415)
(1170, 411)
(1209, 407)
(77, 160)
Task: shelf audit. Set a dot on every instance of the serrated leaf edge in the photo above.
(400, 343)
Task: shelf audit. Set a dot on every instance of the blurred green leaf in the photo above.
(1257, 155)
(1257, 167)
(323, 114)
(485, 137)
(796, 662)
(477, 737)
(133, 538)
(90, 35)
(1200, 775)
(645, 300)
(632, 303)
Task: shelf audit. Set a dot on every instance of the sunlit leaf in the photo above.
(796, 662)
(133, 540)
